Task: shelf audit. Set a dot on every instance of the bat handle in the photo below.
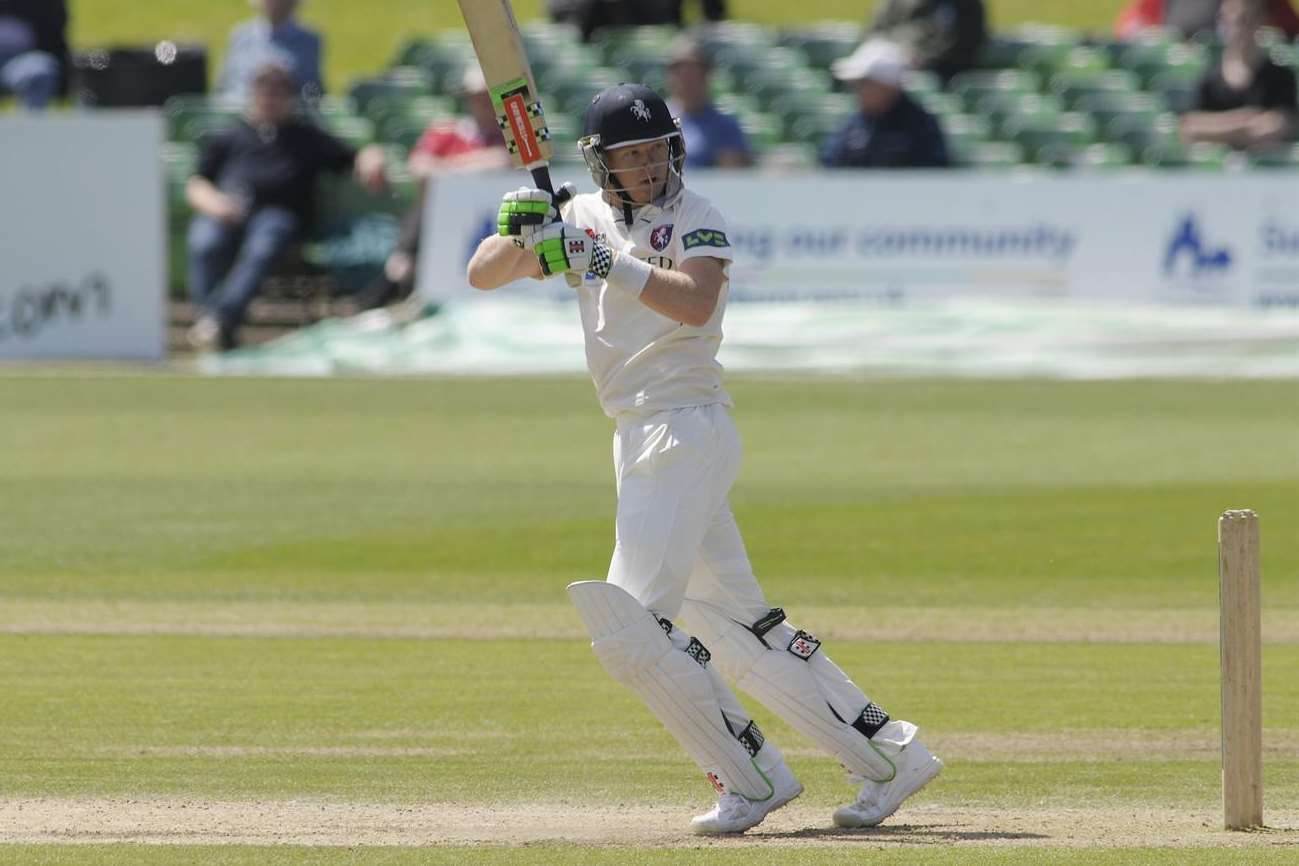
(541, 177)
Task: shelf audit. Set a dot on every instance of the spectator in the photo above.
(891, 130)
(1245, 100)
(470, 144)
(277, 34)
(33, 50)
(1190, 18)
(713, 139)
(254, 194)
(593, 15)
(939, 36)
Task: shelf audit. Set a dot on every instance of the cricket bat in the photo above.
(499, 46)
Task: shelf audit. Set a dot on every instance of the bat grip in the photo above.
(541, 177)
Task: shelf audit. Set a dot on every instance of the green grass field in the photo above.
(290, 622)
(360, 41)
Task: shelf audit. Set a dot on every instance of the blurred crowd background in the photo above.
(298, 162)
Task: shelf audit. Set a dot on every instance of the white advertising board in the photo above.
(1174, 238)
(81, 236)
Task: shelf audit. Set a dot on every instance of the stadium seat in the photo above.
(1284, 156)
(1104, 156)
(1141, 133)
(1045, 136)
(1070, 86)
(1002, 108)
(1048, 60)
(975, 85)
(1107, 107)
(822, 44)
(790, 156)
(986, 154)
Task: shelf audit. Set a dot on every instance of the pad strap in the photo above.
(871, 720)
(774, 617)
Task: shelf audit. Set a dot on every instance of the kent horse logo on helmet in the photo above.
(641, 110)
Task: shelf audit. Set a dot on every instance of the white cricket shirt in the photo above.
(641, 361)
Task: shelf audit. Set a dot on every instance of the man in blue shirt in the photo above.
(276, 36)
(891, 130)
(713, 139)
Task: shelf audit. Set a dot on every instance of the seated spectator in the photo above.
(891, 130)
(254, 194)
(593, 15)
(470, 144)
(33, 50)
(276, 34)
(1245, 100)
(1191, 18)
(713, 139)
(939, 36)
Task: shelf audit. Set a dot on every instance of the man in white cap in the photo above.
(891, 130)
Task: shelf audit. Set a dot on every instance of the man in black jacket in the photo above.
(33, 50)
(254, 197)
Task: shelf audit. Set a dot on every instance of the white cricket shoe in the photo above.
(735, 813)
(916, 767)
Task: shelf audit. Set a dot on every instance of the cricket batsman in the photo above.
(648, 259)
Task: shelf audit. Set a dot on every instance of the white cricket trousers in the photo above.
(676, 535)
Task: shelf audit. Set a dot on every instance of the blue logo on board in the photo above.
(1188, 245)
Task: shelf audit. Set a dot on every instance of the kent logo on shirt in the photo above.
(705, 238)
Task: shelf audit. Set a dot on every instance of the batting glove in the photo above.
(526, 211)
(562, 248)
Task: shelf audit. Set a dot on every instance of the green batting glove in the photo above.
(525, 211)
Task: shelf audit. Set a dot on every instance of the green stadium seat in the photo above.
(405, 80)
(1187, 59)
(1001, 108)
(1284, 156)
(572, 94)
(778, 91)
(1003, 52)
(1107, 107)
(790, 156)
(1141, 133)
(1044, 136)
(975, 85)
(918, 81)
(1178, 87)
(189, 117)
(1072, 85)
(971, 126)
(940, 103)
(1048, 60)
(356, 131)
(1104, 156)
(986, 154)
(1173, 154)
(763, 130)
(824, 43)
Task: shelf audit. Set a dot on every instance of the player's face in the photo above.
(640, 170)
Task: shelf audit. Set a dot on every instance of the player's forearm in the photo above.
(497, 261)
(677, 296)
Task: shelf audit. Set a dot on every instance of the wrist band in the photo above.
(629, 274)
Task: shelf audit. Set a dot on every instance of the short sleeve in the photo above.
(703, 233)
(213, 154)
